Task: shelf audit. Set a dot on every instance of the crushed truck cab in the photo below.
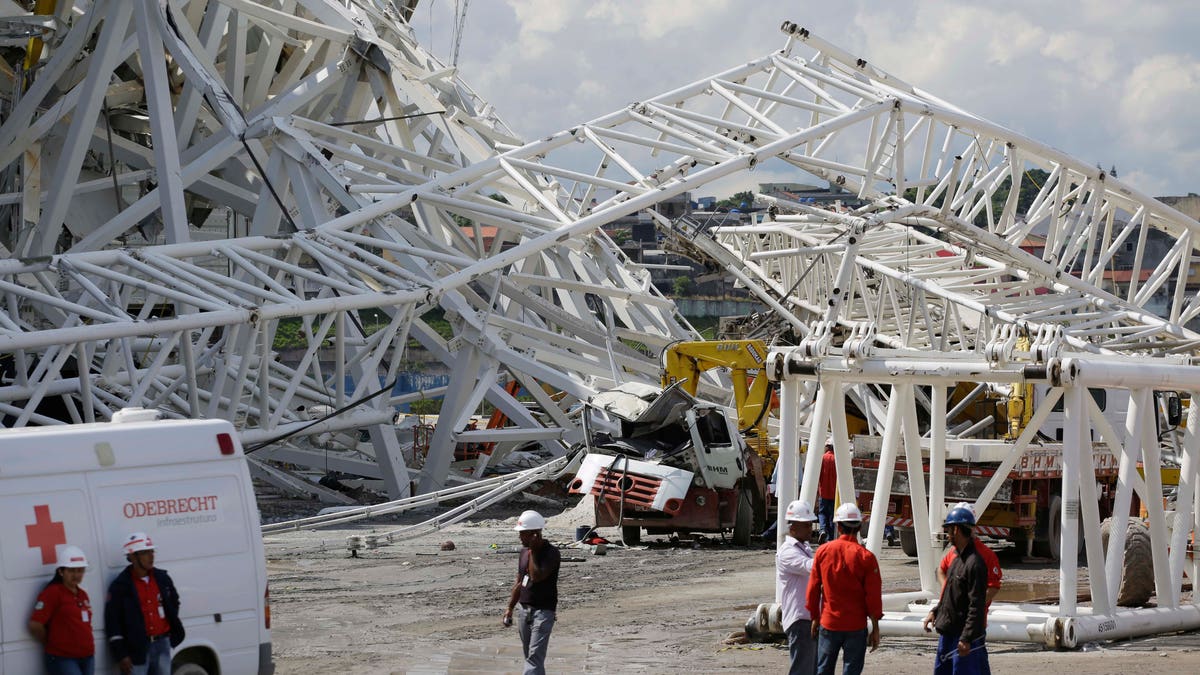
(661, 460)
(185, 483)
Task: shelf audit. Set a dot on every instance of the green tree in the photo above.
(681, 286)
(426, 406)
(738, 200)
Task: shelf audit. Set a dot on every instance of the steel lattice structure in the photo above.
(362, 174)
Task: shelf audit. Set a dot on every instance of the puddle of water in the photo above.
(1033, 591)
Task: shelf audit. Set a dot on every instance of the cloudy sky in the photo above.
(1111, 82)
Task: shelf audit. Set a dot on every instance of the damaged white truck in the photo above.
(662, 461)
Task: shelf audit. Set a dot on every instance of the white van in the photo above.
(185, 483)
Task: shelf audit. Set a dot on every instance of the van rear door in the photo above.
(39, 515)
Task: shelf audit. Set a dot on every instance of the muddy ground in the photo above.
(665, 607)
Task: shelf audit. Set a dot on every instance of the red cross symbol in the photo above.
(44, 533)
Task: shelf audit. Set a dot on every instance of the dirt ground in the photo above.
(661, 608)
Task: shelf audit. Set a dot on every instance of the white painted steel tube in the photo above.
(883, 478)
(928, 555)
(1131, 375)
(1184, 515)
(937, 461)
(1080, 630)
(1075, 430)
(910, 625)
(787, 473)
(901, 602)
(818, 422)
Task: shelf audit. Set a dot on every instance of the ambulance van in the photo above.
(185, 483)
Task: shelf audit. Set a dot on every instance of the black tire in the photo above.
(631, 535)
(908, 542)
(1137, 570)
(1049, 545)
(743, 520)
(188, 669)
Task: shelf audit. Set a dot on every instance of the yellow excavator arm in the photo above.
(683, 362)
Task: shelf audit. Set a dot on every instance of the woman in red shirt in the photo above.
(62, 618)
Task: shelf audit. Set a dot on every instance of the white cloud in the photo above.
(1160, 93)
(654, 19)
(1096, 79)
(536, 21)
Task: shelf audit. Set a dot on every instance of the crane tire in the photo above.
(1137, 570)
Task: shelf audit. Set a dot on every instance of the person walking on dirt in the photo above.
(535, 592)
(962, 610)
(826, 493)
(793, 564)
(62, 618)
(844, 591)
(141, 612)
(994, 574)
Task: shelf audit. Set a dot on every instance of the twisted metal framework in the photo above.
(366, 180)
(1068, 376)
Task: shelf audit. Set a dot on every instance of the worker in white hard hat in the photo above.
(62, 617)
(141, 614)
(793, 564)
(535, 593)
(844, 592)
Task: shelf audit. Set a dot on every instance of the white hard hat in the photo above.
(138, 541)
(799, 511)
(530, 520)
(965, 505)
(71, 556)
(847, 513)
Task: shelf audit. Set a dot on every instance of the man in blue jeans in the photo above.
(535, 593)
(960, 616)
(844, 592)
(141, 613)
(826, 493)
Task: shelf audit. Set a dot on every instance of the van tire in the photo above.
(189, 669)
(631, 535)
(1137, 569)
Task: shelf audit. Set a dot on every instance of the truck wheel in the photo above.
(631, 535)
(1051, 545)
(189, 669)
(1137, 570)
(743, 520)
(908, 542)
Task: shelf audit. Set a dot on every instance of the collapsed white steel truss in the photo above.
(1135, 444)
(367, 185)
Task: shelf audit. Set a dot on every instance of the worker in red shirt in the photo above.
(141, 612)
(844, 591)
(62, 618)
(826, 493)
